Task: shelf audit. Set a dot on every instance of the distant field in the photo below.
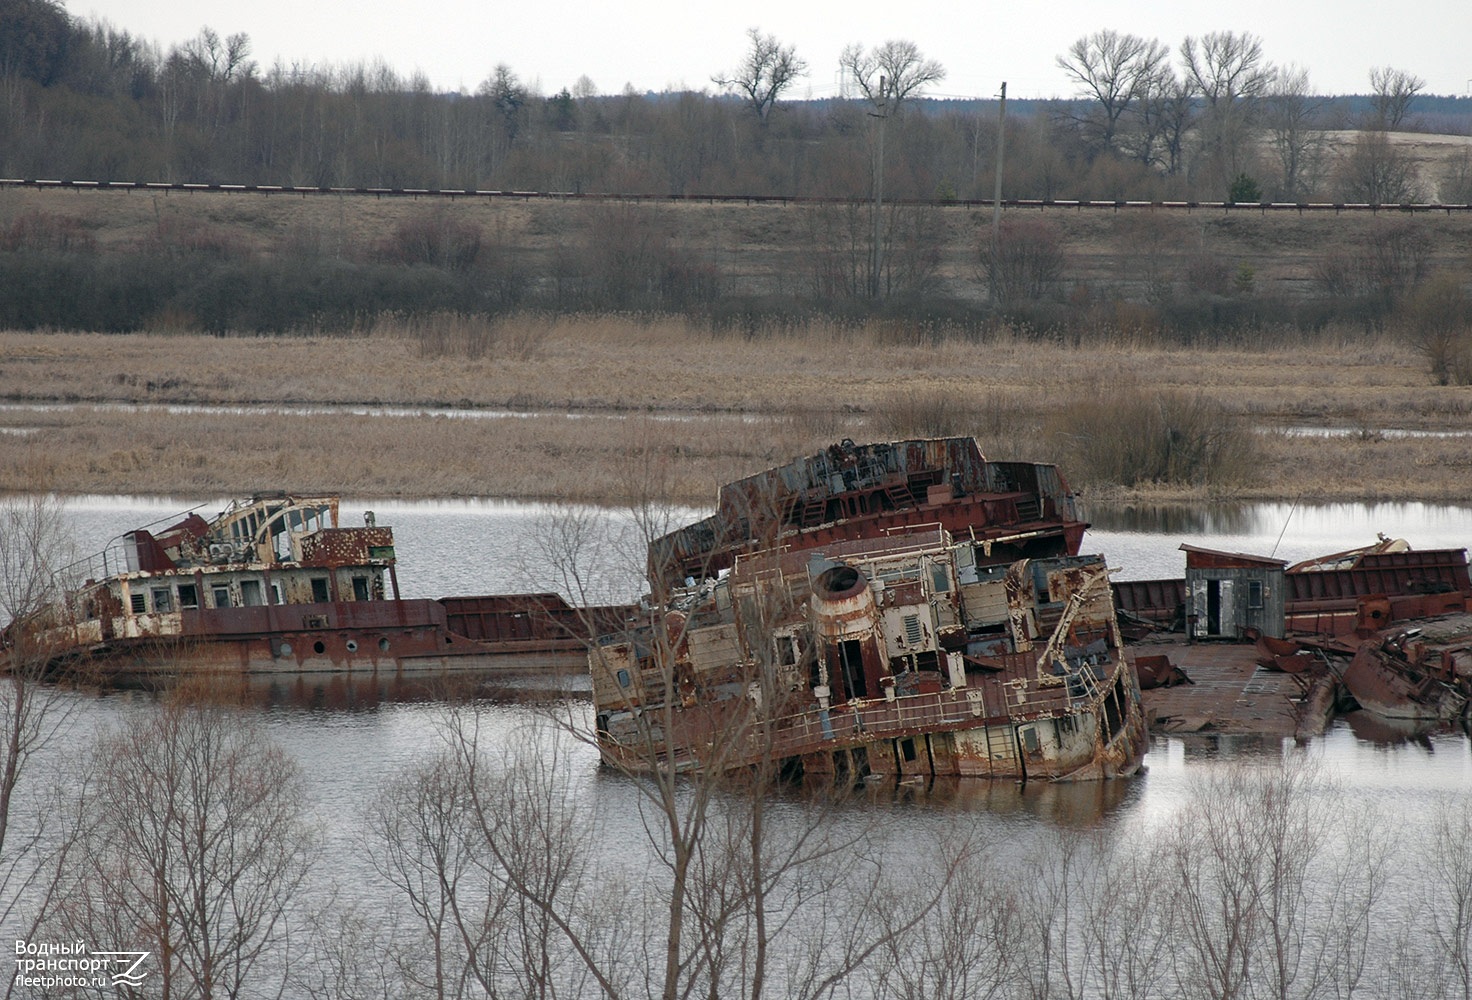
(769, 249)
(611, 408)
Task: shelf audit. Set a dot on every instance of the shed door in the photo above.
(1211, 603)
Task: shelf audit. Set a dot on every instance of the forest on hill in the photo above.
(88, 100)
(882, 228)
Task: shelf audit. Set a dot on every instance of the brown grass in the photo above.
(704, 408)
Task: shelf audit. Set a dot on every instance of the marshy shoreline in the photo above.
(602, 409)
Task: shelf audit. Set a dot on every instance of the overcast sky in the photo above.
(663, 45)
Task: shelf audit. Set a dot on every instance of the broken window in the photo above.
(163, 600)
(940, 580)
(319, 589)
(188, 596)
(360, 588)
(222, 597)
(250, 593)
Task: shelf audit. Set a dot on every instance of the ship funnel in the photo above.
(843, 603)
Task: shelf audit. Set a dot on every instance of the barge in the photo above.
(274, 585)
(904, 609)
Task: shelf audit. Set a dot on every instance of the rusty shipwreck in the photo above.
(274, 585)
(906, 609)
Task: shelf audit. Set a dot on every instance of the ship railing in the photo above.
(931, 711)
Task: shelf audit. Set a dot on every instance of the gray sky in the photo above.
(660, 44)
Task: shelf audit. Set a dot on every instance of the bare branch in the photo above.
(1393, 90)
(768, 71)
(1114, 71)
(890, 74)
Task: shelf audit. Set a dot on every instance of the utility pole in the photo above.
(997, 186)
(875, 256)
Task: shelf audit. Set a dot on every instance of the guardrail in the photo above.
(1041, 204)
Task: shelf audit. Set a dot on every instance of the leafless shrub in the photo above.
(1450, 884)
(1253, 894)
(1026, 263)
(1437, 319)
(48, 232)
(177, 235)
(1208, 273)
(937, 412)
(1455, 182)
(33, 549)
(969, 950)
(1127, 435)
(194, 845)
(1387, 265)
(436, 237)
(626, 257)
(1378, 172)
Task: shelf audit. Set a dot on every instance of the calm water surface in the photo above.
(487, 547)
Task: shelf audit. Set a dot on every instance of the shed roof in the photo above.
(1199, 558)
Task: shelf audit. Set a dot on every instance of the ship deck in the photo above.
(1230, 693)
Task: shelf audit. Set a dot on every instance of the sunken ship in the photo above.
(899, 609)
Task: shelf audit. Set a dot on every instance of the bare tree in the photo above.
(1377, 171)
(1391, 94)
(1290, 115)
(1450, 915)
(34, 547)
(1164, 114)
(1114, 71)
(969, 949)
(1455, 182)
(768, 71)
(1258, 893)
(194, 845)
(889, 74)
(743, 899)
(1229, 72)
(886, 76)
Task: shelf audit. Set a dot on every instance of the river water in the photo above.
(474, 547)
(478, 547)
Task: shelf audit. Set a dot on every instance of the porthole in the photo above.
(319, 646)
(285, 649)
(352, 645)
(383, 644)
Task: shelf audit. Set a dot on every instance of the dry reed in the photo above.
(713, 407)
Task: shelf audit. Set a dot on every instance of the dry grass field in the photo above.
(604, 408)
(759, 249)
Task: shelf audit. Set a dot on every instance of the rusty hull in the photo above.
(862, 658)
(1392, 676)
(274, 585)
(855, 491)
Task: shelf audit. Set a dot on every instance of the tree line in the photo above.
(1215, 120)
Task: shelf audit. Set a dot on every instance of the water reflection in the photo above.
(1076, 805)
(468, 412)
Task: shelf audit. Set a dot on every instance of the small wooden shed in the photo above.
(1229, 592)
